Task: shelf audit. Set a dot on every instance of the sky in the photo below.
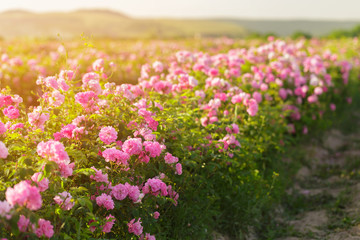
(254, 9)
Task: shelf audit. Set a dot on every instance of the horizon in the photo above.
(14, 10)
(319, 10)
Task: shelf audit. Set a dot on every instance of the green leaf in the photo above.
(85, 171)
(28, 161)
(79, 189)
(86, 203)
(49, 167)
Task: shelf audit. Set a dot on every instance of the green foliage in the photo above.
(299, 34)
(354, 32)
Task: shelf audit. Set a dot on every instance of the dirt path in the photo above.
(324, 202)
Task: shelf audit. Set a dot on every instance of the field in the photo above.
(170, 139)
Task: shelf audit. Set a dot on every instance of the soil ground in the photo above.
(324, 199)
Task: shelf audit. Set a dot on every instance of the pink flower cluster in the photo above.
(64, 199)
(121, 191)
(252, 107)
(110, 221)
(114, 155)
(23, 223)
(3, 150)
(91, 82)
(153, 148)
(42, 185)
(11, 112)
(98, 65)
(57, 83)
(88, 100)
(108, 135)
(56, 99)
(55, 151)
(178, 169)
(2, 128)
(70, 131)
(132, 146)
(99, 176)
(149, 237)
(5, 100)
(37, 118)
(169, 158)
(155, 187)
(135, 227)
(24, 194)
(44, 228)
(5, 209)
(105, 201)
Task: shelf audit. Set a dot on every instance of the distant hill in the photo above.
(17, 11)
(103, 11)
(112, 24)
(105, 23)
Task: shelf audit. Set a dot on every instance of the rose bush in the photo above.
(188, 150)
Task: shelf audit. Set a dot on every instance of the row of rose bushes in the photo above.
(32, 58)
(186, 151)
